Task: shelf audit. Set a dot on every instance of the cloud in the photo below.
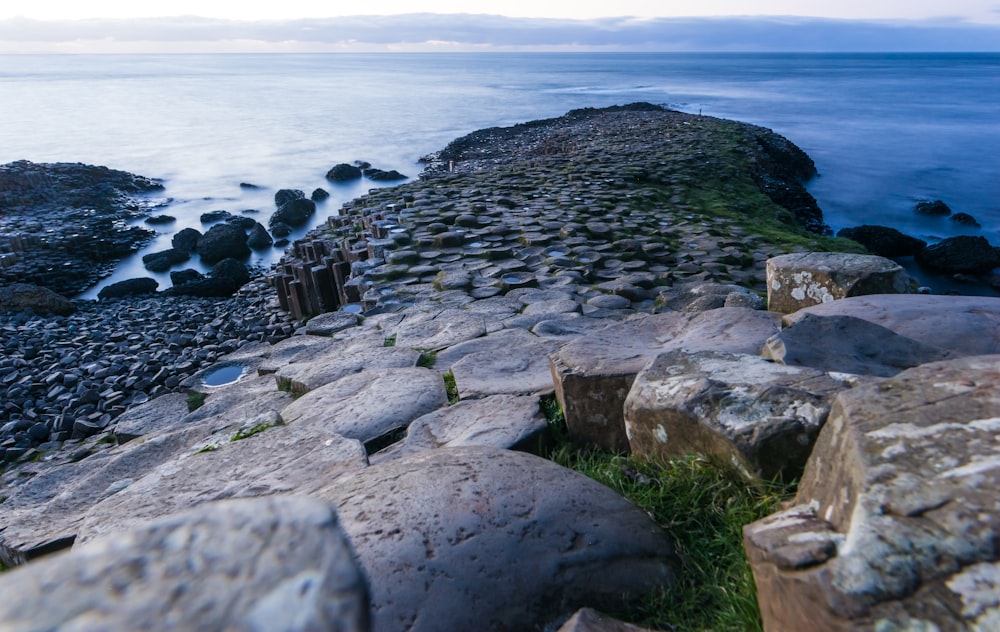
(479, 32)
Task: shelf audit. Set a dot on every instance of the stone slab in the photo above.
(803, 279)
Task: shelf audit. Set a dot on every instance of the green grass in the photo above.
(244, 433)
(427, 359)
(703, 505)
(389, 341)
(451, 388)
(195, 400)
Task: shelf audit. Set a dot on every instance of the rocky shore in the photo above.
(373, 466)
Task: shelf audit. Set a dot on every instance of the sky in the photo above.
(438, 25)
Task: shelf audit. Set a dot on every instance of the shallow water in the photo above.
(885, 130)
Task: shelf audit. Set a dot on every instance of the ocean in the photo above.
(885, 130)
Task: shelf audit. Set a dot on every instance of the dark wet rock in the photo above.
(205, 287)
(318, 195)
(233, 270)
(180, 277)
(283, 196)
(18, 297)
(159, 220)
(963, 254)
(129, 287)
(222, 241)
(883, 241)
(965, 220)
(249, 185)
(242, 221)
(343, 172)
(258, 239)
(186, 239)
(280, 229)
(380, 175)
(69, 217)
(294, 212)
(211, 217)
(932, 208)
(165, 259)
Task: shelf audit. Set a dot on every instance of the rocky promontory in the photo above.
(383, 467)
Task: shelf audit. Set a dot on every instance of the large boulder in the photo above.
(965, 254)
(232, 270)
(19, 297)
(487, 539)
(932, 208)
(283, 196)
(186, 239)
(593, 374)
(295, 212)
(129, 287)
(799, 280)
(258, 239)
(223, 241)
(847, 344)
(165, 259)
(761, 416)
(280, 563)
(963, 325)
(883, 241)
(343, 172)
(896, 517)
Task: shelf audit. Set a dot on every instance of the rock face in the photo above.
(883, 241)
(799, 280)
(896, 517)
(963, 325)
(848, 345)
(65, 225)
(264, 564)
(18, 297)
(593, 374)
(482, 538)
(962, 254)
(761, 416)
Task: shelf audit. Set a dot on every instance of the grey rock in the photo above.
(762, 417)
(335, 362)
(441, 330)
(263, 564)
(800, 280)
(499, 421)
(590, 620)
(896, 514)
(964, 325)
(849, 345)
(593, 374)
(262, 457)
(129, 287)
(368, 405)
(156, 415)
(511, 362)
(482, 538)
(17, 297)
(330, 323)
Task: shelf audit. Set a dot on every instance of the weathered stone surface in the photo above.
(848, 345)
(279, 563)
(897, 511)
(799, 280)
(262, 457)
(335, 362)
(518, 366)
(156, 415)
(481, 538)
(370, 404)
(593, 374)
(444, 329)
(762, 417)
(965, 325)
(330, 323)
(499, 421)
(698, 297)
(17, 297)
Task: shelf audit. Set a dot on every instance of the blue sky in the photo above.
(466, 25)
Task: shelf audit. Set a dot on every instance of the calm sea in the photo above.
(885, 130)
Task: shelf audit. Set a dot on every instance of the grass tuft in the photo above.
(244, 433)
(427, 359)
(195, 400)
(704, 506)
(451, 388)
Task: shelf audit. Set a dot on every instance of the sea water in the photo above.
(885, 130)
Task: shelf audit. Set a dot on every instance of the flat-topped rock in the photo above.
(848, 345)
(498, 421)
(335, 362)
(761, 416)
(517, 363)
(966, 325)
(594, 373)
(280, 564)
(799, 280)
(897, 514)
(370, 404)
(482, 538)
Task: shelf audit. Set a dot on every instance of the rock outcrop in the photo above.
(799, 280)
(19, 297)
